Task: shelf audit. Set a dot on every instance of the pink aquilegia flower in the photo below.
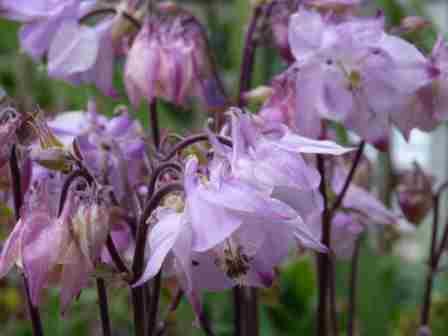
(170, 59)
(52, 248)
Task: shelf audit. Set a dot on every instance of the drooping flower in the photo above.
(414, 192)
(50, 248)
(354, 73)
(36, 242)
(170, 59)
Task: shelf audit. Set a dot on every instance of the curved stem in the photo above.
(119, 264)
(189, 141)
(33, 311)
(111, 11)
(104, 311)
(353, 288)
(158, 172)
(80, 173)
(250, 46)
(349, 179)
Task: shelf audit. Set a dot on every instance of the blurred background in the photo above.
(392, 265)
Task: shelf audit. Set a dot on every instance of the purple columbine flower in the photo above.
(36, 243)
(64, 249)
(272, 161)
(225, 227)
(112, 149)
(170, 59)
(354, 73)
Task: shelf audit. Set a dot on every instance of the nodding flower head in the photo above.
(170, 59)
(91, 224)
(414, 193)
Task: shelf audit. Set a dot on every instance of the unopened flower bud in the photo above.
(258, 95)
(53, 158)
(174, 202)
(413, 23)
(415, 194)
(91, 228)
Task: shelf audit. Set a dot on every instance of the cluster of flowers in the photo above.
(234, 209)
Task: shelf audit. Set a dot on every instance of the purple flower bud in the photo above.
(91, 226)
(170, 59)
(415, 195)
(413, 23)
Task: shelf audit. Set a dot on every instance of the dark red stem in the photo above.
(103, 304)
(154, 123)
(250, 46)
(323, 258)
